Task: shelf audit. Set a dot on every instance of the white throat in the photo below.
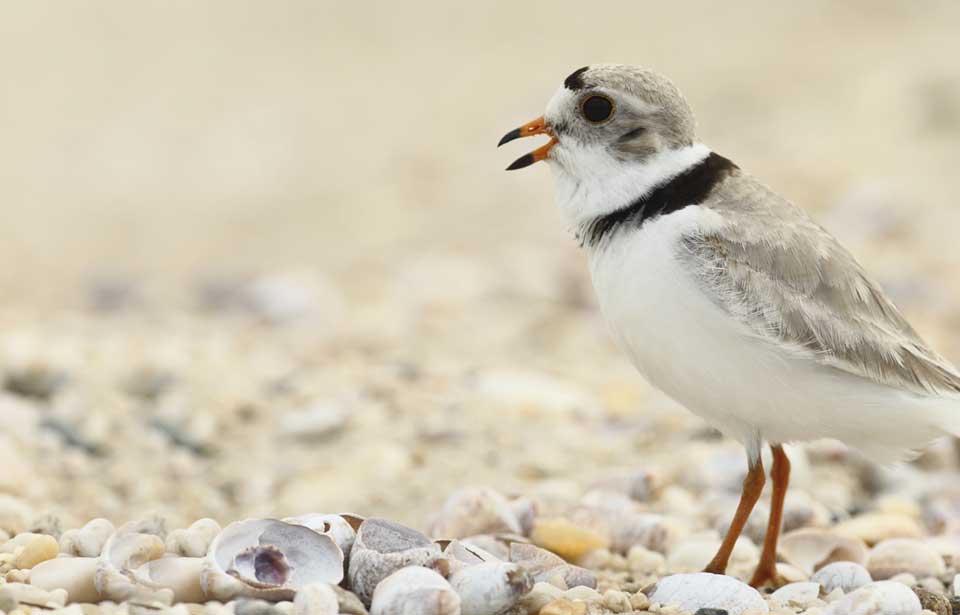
(591, 182)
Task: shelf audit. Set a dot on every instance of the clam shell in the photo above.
(877, 598)
(490, 587)
(477, 510)
(900, 555)
(73, 574)
(690, 592)
(415, 590)
(270, 559)
(542, 565)
(338, 527)
(847, 576)
(383, 547)
(810, 549)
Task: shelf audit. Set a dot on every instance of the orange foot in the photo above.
(767, 575)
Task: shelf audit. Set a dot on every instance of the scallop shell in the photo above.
(901, 555)
(194, 540)
(414, 590)
(87, 541)
(270, 559)
(477, 510)
(690, 592)
(383, 547)
(490, 587)
(877, 598)
(846, 576)
(74, 574)
(810, 549)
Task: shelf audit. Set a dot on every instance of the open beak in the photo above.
(536, 127)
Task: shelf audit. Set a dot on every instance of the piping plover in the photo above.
(726, 296)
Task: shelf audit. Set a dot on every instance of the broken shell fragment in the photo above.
(87, 541)
(269, 559)
(194, 540)
(810, 549)
(478, 510)
(341, 528)
(542, 565)
(415, 590)
(846, 576)
(179, 574)
(490, 587)
(126, 550)
(383, 547)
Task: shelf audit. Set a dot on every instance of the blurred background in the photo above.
(262, 258)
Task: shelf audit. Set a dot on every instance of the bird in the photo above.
(728, 297)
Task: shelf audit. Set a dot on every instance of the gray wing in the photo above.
(790, 281)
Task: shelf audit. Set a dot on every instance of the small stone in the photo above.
(904, 578)
(316, 599)
(542, 594)
(8, 602)
(616, 601)
(706, 611)
(40, 548)
(898, 555)
(562, 606)
(639, 601)
(938, 603)
(566, 539)
(255, 607)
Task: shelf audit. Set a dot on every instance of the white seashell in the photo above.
(194, 540)
(341, 528)
(490, 588)
(878, 598)
(123, 552)
(29, 595)
(87, 541)
(475, 510)
(74, 574)
(809, 549)
(798, 594)
(900, 555)
(468, 554)
(542, 565)
(269, 559)
(690, 592)
(847, 576)
(316, 599)
(415, 590)
(538, 597)
(383, 547)
(180, 574)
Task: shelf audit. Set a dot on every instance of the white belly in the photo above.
(751, 389)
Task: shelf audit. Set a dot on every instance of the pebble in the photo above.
(566, 539)
(39, 549)
(616, 601)
(877, 598)
(846, 576)
(898, 555)
(563, 606)
(933, 602)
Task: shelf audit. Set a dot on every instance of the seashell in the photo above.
(124, 551)
(538, 597)
(695, 553)
(873, 528)
(847, 576)
(877, 598)
(193, 541)
(383, 547)
(269, 559)
(14, 515)
(542, 565)
(616, 601)
(791, 574)
(566, 538)
(798, 594)
(493, 545)
(904, 578)
(490, 588)
(475, 510)
(87, 541)
(899, 555)
(39, 548)
(316, 599)
(468, 554)
(349, 603)
(809, 549)
(564, 606)
(341, 528)
(180, 574)
(690, 592)
(641, 559)
(525, 510)
(414, 590)
(655, 532)
(74, 574)
(28, 595)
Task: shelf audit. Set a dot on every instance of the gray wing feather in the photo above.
(790, 281)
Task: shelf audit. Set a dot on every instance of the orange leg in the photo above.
(752, 487)
(780, 474)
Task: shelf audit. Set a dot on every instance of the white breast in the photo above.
(751, 389)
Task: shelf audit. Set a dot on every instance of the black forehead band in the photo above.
(575, 80)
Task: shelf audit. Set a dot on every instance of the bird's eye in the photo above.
(596, 108)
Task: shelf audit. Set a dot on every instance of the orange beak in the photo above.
(536, 127)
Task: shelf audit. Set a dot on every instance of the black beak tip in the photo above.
(510, 136)
(523, 161)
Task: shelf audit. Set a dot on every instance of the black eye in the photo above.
(596, 108)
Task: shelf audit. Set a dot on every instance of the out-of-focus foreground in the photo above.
(263, 259)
